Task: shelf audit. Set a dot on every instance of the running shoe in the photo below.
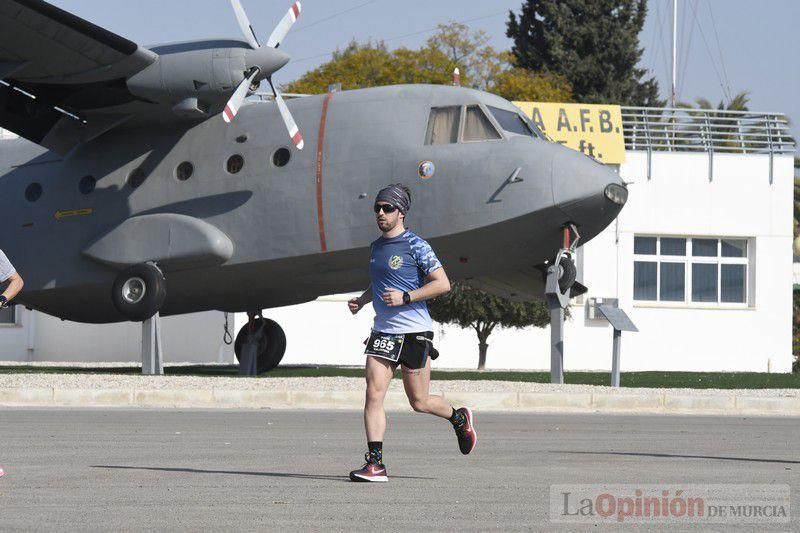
(467, 437)
(371, 471)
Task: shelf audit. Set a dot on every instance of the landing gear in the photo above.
(139, 291)
(259, 345)
(560, 286)
(567, 272)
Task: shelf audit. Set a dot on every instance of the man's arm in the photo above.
(436, 284)
(14, 286)
(355, 304)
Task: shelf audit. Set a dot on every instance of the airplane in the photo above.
(145, 182)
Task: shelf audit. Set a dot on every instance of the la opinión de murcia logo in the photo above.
(659, 503)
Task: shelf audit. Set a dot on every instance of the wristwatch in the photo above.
(3, 301)
(406, 298)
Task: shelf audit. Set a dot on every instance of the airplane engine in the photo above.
(196, 80)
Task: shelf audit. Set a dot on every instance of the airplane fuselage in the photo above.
(269, 235)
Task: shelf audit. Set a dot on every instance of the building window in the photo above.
(697, 271)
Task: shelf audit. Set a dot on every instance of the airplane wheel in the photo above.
(139, 291)
(567, 275)
(271, 343)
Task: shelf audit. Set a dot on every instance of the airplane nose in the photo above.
(589, 193)
(267, 59)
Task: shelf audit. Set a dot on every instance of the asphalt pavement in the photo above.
(114, 469)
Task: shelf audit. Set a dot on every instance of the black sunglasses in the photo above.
(387, 208)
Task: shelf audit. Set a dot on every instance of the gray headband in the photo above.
(396, 196)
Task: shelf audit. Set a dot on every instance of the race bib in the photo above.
(385, 345)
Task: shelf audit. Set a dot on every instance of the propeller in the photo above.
(267, 56)
(232, 107)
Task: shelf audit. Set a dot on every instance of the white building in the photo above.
(700, 258)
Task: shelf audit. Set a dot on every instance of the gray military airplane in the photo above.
(142, 167)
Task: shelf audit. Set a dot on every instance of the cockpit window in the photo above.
(443, 125)
(477, 126)
(514, 122)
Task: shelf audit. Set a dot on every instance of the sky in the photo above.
(724, 46)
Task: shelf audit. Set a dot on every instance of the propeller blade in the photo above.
(291, 125)
(244, 24)
(235, 102)
(284, 26)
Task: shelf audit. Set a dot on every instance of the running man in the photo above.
(404, 273)
(8, 274)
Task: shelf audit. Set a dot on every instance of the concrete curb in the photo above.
(596, 402)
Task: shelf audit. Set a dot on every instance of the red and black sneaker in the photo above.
(371, 471)
(467, 437)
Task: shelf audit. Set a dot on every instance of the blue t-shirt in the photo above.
(400, 263)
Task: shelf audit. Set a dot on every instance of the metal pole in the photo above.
(556, 343)
(674, 50)
(152, 362)
(615, 358)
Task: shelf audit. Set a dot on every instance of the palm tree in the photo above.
(730, 133)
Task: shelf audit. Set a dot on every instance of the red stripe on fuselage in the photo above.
(320, 147)
(296, 10)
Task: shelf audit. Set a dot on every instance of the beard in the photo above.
(386, 225)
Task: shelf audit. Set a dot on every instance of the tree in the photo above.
(453, 45)
(372, 65)
(729, 132)
(468, 307)
(467, 51)
(594, 44)
(738, 103)
(522, 85)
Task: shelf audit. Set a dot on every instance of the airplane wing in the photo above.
(56, 69)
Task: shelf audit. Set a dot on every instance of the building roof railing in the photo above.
(706, 130)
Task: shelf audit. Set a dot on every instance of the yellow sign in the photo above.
(73, 213)
(595, 130)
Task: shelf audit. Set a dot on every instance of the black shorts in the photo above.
(414, 352)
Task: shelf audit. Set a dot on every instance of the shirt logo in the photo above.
(395, 262)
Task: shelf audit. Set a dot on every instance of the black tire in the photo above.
(568, 274)
(145, 278)
(271, 343)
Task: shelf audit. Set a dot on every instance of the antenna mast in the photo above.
(674, 52)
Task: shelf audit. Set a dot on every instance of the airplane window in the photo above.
(87, 184)
(136, 177)
(184, 171)
(477, 126)
(511, 121)
(443, 125)
(235, 163)
(281, 157)
(33, 192)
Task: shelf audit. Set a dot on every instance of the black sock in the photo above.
(457, 418)
(376, 450)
